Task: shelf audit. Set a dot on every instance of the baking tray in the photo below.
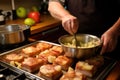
(99, 75)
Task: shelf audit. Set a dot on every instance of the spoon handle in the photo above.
(75, 40)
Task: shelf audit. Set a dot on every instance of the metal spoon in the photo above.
(76, 44)
(75, 40)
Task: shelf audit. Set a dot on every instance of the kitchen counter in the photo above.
(48, 22)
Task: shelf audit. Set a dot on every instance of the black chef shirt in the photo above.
(95, 16)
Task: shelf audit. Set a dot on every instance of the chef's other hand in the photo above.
(70, 24)
(109, 39)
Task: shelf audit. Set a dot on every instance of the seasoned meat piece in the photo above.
(63, 61)
(90, 66)
(43, 46)
(29, 51)
(46, 56)
(97, 61)
(50, 72)
(71, 74)
(31, 64)
(14, 57)
(85, 68)
(56, 50)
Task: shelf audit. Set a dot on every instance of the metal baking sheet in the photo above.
(19, 48)
(99, 75)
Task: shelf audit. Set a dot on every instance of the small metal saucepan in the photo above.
(13, 34)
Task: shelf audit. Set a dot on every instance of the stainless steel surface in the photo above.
(13, 34)
(80, 52)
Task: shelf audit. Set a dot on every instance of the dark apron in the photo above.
(95, 16)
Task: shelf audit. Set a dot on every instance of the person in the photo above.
(97, 17)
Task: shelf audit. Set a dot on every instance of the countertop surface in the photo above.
(48, 22)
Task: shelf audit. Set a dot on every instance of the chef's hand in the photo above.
(70, 24)
(109, 39)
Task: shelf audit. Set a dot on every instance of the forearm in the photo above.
(116, 27)
(57, 11)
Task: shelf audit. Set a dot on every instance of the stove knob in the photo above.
(2, 77)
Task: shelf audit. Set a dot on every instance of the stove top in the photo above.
(8, 72)
(4, 48)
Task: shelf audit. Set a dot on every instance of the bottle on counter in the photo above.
(2, 18)
(44, 7)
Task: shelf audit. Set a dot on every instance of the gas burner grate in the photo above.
(23, 77)
(10, 73)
